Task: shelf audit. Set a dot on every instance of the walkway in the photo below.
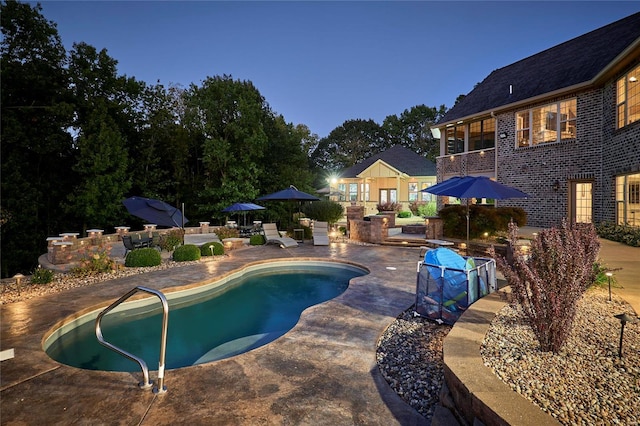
(323, 372)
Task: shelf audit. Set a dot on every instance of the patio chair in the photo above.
(128, 245)
(272, 235)
(320, 234)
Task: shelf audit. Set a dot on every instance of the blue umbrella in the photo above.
(242, 208)
(155, 211)
(290, 194)
(474, 187)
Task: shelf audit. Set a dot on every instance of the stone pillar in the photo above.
(95, 236)
(204, 227)
(122, 231)
(379, 229)
(71, 237)
(150, 228)
(354, 213)
(391, 221)
(435, 228)
(50, 242)
(61, 252)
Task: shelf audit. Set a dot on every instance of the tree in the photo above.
(413, 129)
(226, 117)
(36, 148)
(352, 142)
(108, 118)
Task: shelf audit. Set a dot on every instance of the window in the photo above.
(425, 195)
(628, 199)
(342, 189)
(364, 192)
(482, 134)
(628, 97)
(413, 191)
(550, 123)
(455, 140)
(353, 192)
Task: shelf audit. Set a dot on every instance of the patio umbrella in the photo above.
(242, 208)
(155, 211)
(290, 194)
(474, 187)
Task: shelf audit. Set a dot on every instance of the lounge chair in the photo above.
(272, 235)
(320, 234)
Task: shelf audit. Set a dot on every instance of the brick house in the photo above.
(562, 125)
(395, 175)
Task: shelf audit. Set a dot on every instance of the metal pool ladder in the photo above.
(146, 384)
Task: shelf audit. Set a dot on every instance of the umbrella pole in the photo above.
(467, 227)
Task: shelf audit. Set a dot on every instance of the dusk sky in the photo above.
(322, 63)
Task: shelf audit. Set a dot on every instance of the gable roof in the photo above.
(398, 157)
(580, 61)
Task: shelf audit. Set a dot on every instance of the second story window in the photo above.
(628, 97)
(482, 134)
(550, 123)
(455, 140)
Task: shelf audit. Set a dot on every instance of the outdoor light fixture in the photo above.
(555, 186)
(624, 318)
(609, 275)
(503, 135)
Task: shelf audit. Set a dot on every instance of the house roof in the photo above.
(579, 61)
(398, 157)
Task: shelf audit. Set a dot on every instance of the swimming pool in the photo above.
(246, 310)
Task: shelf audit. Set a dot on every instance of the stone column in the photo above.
(122, 231)
(379, 229)
(204, 227)
(354, 213)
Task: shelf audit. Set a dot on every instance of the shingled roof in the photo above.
(575, 62)
(398, 157)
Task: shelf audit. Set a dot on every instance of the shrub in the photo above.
(224, 232)
(549, 281)
(257, 240)
(41, 275)
(324, 211)
(143, 257)
(389, 207)
(404, 215)
(218, 249)
(625, 234)
(171, 239)
(94, 260)
(492, 220)
(186, 253)
(423, 208)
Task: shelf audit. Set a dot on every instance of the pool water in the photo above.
(245, 313)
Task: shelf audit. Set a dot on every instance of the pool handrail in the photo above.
(146, 383)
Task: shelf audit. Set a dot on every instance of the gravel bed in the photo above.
(11, 293)
(586, 383)
(409, 356)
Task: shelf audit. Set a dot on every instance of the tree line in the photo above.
(78, 137)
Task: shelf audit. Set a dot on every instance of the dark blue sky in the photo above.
(321, 63)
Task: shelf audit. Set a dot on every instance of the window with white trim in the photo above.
(353, 192)
(413, 191)
(549, 123)
(364, 192)
(425, 195)
(628, 97)
(342, 189)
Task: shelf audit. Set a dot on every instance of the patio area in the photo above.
(323, 371)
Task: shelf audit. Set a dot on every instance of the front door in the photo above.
(581, 203)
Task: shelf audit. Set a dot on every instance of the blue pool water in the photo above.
(241, 314)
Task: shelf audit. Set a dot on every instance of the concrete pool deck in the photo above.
(323, 371)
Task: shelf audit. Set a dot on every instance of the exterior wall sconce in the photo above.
(624, 318)
(555, 186)
(503, 135)
(452, 158)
